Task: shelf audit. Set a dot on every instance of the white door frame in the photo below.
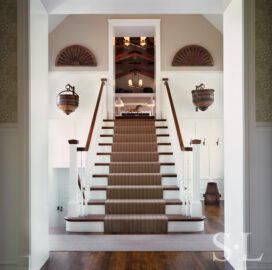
(113, 23)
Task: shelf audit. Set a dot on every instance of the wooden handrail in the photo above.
(88, 142)
(182, 148)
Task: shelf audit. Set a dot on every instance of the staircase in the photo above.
(134, 186)
(137, 191)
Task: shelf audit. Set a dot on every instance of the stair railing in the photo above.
(82, 160)
(189, 188)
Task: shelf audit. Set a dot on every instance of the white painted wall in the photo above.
(206, 125)
(234, 128)
(39, 134)
(63, 127)
(91, 30)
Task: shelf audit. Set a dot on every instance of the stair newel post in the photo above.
(73, 202)
(195, 204)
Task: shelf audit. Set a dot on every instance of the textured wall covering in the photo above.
(263, 60)
(8, 61)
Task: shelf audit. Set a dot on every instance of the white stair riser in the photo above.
(166, 181)
(162, 158)
(85, 226)
(98, 226)
(101, 194)
(185, 226)
(100, 209)
(164, 169)
(161, 148)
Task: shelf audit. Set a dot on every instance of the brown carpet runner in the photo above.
(134, 147)
(134, 193)
(134, 157)
(141, 179)
(135, 138)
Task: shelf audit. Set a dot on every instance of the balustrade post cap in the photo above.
(165, 79)
(103, 79)
(195, 141)
(73, 141)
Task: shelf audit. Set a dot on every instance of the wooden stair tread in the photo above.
(108, 163)
(158, 135)
(109, 153)
(158, 127)
(86, 218)
(94, 218)
(167, 201)
(131, 186)
(110, 144)
(143, 119)
(107, 175)
(173, 217)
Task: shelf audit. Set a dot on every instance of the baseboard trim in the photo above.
(10, 263)
(23, 263)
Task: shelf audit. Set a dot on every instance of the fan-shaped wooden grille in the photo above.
(75, 55)
(193, 55)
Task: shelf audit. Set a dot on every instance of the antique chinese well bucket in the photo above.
(202, 98)
(68, 100)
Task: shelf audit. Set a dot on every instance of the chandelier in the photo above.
(135, 80)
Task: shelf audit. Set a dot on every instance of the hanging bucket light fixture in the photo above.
(68, 99)
(202, 98)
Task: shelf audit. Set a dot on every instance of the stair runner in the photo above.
(135, 201)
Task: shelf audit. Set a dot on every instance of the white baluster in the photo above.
(195, 204)
(73, 203)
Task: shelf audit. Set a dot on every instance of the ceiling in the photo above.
(215, 19)
(135, 7)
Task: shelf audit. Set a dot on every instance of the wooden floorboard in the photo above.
(144, 260)
(134, 261)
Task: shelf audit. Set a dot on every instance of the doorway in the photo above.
(134, 68)
(135, 92)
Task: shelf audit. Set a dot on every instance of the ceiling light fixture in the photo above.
(143, 41)
(126, 41)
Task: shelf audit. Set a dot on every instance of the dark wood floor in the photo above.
(145, 260)
(134, 261)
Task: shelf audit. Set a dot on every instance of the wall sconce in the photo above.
(68, 99)
(152, 103)
(126, 41)
(140, 83)
(119, 103)
(217, 142)
(202, 98)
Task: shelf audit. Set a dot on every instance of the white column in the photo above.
(73, 203)
(195, 204)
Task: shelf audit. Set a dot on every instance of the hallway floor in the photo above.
(145, 260)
